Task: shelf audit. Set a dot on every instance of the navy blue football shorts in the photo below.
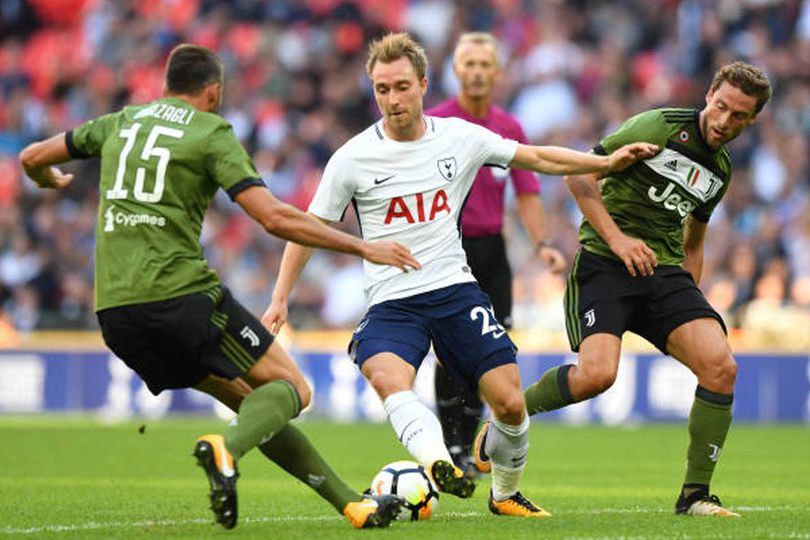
(458, 320)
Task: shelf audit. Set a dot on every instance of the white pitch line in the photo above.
(687, 536)
(95, 525)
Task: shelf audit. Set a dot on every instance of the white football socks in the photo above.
(507, 447)
(417, 427)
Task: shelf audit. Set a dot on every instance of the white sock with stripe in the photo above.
(417, 427)
(507, 447)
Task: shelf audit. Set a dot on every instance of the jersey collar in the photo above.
(430, 125)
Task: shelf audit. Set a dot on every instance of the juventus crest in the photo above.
(447, 168)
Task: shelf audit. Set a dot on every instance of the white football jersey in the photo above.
(413, 193)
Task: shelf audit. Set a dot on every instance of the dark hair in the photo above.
(191, 68)
(749, 79)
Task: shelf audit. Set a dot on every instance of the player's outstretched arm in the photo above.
(286, 221)
(557, 160)
(38, 160)
(292, 263)
(636, 255)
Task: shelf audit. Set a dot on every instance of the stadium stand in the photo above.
(296, 92)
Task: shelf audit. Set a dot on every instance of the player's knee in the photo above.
(723, 374)
(728, 371)
(385, 383)
(380, 383)
(597, 379)
(304, 393)
(509, 408)
(718, 371)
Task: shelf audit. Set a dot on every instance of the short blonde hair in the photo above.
(477, 38)
(393, 46)
(749, 79)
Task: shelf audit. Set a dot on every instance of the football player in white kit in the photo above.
(408, 176)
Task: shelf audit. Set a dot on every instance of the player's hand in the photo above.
(552, 258)
(629, 154)
(52, 178)
(636, 255)
(275, 316)
(390, 253)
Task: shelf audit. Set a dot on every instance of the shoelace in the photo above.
(523, 501)
(712, 499)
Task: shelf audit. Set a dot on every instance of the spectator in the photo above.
(296, 92)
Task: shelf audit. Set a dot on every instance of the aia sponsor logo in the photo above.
(417, 208)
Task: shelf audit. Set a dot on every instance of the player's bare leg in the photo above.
(594, 372)
(415, 425)
(507, 441)
(285, 445)
(701, 345)
(265, 405)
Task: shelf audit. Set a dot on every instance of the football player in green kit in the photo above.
(640, 265)
(163, 311)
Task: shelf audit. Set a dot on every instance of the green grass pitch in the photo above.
(77, 478)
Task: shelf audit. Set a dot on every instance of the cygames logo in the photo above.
(113, 217)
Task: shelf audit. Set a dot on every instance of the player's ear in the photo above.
(213, 96)
(423, 84)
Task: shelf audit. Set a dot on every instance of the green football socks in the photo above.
(292, 451)
(709, 421)
(550, 392)
(262, 415)
(263, 422)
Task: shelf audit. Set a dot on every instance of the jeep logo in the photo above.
(672, 201)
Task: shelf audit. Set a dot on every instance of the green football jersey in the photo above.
(161, 164)
(652, 199)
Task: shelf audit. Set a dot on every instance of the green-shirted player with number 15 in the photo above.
(641, 261)
(163, 311)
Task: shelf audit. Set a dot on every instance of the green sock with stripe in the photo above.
(292, 451)
(709, 421)
(550, 392)
(262, 415)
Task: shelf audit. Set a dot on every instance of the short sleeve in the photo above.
(87, 140)
(493, 149)
(648, 126)
(229, 164)
(336, 189)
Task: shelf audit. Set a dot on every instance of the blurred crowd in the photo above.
(296, 90)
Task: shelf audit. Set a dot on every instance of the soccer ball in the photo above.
(409, 480)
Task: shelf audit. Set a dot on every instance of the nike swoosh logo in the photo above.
(378, 181)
